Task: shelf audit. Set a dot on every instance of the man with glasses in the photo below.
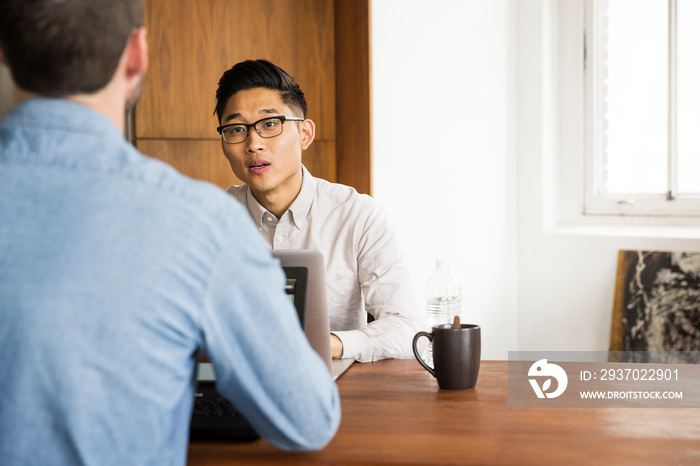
(116, 271)
(264, 131)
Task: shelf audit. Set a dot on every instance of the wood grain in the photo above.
(193, 43)
(352, 32)
(617, 326)
(393, 413)
(200, 159)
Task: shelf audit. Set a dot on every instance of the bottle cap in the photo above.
(443, 262)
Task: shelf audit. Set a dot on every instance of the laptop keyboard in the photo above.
(215, 418)
(213, 404)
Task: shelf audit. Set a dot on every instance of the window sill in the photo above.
(632, 227)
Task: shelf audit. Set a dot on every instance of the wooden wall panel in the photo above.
(319, 159)
(193, 42)
(199, 159)
(353, 99)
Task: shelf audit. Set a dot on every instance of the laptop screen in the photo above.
(305, 286)
(295, 287)
(315, 311)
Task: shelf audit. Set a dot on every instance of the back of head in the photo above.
(58, 48)
(252, 74)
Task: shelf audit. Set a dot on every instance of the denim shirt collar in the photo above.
(64, 115)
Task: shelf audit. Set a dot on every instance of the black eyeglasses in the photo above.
(270, 127)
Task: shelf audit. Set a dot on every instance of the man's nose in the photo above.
(254, 142)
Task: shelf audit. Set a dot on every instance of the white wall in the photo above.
(565, 281)
(477, 193)
(443, 83)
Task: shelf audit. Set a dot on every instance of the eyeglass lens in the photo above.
(267, 128)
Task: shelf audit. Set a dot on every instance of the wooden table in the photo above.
(393, 413)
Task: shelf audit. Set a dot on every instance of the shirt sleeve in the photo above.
(389, 296)
(263, 362)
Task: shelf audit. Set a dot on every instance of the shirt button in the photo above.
(280, 238)
(269, 219)
(260, 228)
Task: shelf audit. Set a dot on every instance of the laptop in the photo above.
(214, 417)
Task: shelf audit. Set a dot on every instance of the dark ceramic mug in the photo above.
(456, 355)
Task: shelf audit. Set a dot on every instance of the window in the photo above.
(641, 107)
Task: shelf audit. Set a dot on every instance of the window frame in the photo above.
(581, 201)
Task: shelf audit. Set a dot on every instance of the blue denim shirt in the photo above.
(115, 271)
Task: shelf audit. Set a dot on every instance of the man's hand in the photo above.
(336, 346)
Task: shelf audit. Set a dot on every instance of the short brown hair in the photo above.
(63, 47)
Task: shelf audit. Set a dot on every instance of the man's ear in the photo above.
(308, 133)
(137, 54)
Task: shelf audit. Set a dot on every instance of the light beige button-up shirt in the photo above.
(365, 270)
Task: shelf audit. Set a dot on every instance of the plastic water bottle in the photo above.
(443, 297)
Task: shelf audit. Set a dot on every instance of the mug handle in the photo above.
(415, 351)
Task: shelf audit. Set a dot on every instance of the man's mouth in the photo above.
(258, 166)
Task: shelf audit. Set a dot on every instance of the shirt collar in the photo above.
(302, 204)
(257, 212)
(299, 209)
(63, 114)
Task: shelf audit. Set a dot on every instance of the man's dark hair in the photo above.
(58, 48)
(252, 74)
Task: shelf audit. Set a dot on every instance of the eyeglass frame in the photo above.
(282, 119)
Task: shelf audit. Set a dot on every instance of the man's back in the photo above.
(114, 273)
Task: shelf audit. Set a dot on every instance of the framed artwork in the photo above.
(657, 302)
